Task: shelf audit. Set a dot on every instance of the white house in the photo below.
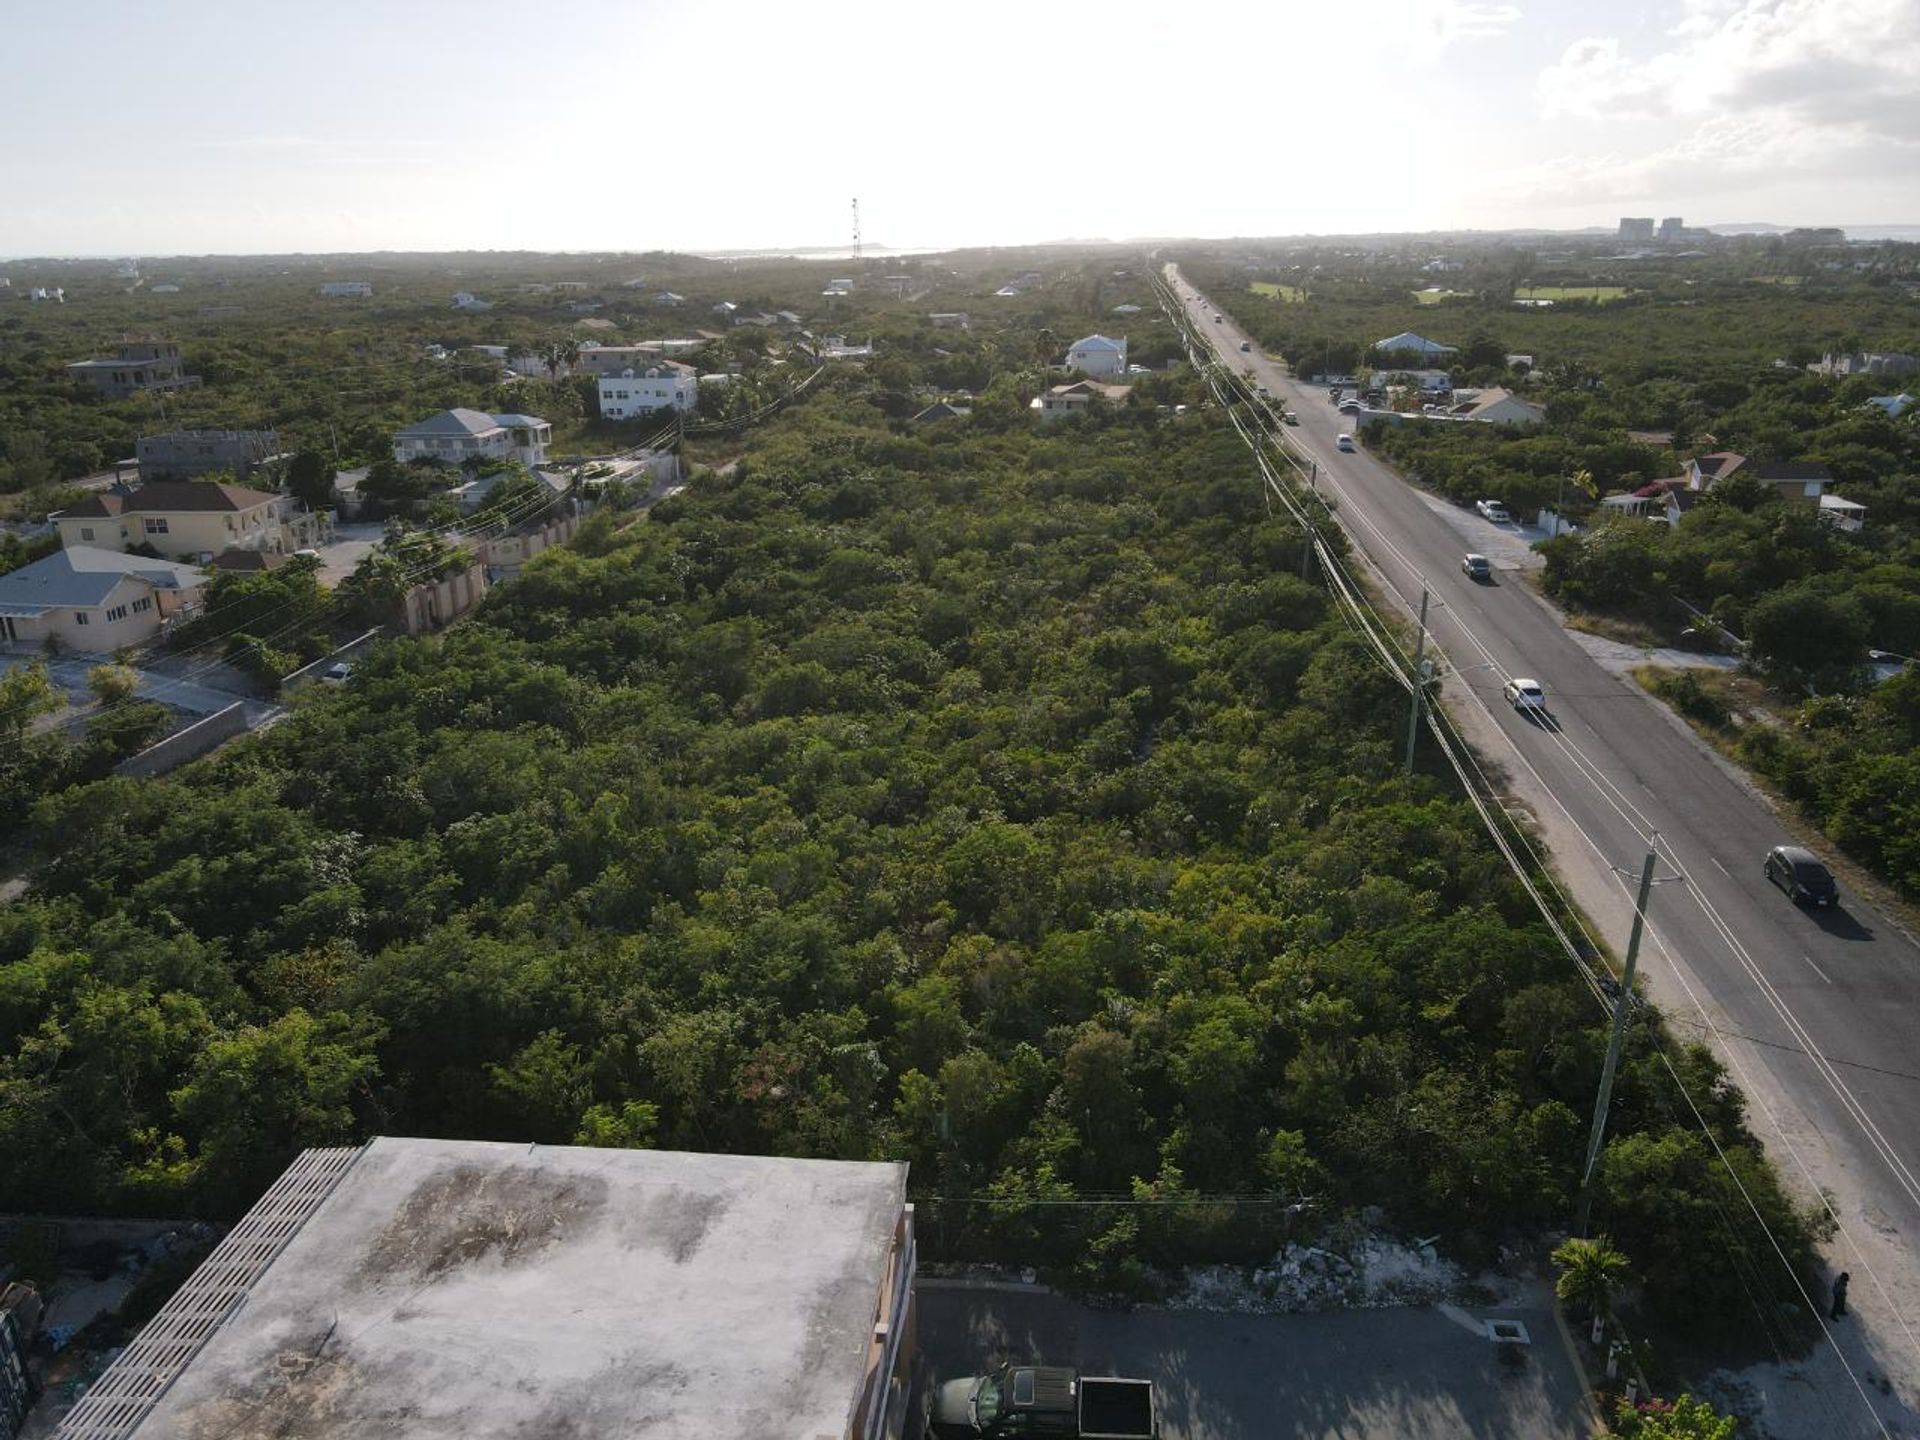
(1062, 402)
(465, 300)
(1498, 406)
(93, 599)
(454, 436)
(663, 385)
(1407, 340)
(358, 288)
(1098, 355)
(1847, 515)
(1894, 405)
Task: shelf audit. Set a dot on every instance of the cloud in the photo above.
(1852, 67)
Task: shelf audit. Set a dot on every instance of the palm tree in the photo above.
(1590, 1271)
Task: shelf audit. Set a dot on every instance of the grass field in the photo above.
(1436, 295)
(1600, 293)
(1292, 294)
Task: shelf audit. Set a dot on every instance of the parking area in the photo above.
(1402, 1373)
(351, 541)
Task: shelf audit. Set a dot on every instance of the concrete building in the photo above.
(1636, 230)
(93, 599)
(190, 520)
(466, 1290)
(183, 454)
(663, 385)
(1098, 355)
(357, 288)
(454, 436)
(137, 365)
(467, 300)
(1871, 362)
(615, 359)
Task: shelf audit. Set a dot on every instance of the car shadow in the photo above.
(1840, 923)
(1542, 719)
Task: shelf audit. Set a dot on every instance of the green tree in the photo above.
(1591, 1270)
(26, 693)
(1684, 1419)
(113, 683)
(310, 479)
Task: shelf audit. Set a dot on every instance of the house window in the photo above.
(118, 612)
(142, 605)
(156, 525)
(80, 617)
(86, 532)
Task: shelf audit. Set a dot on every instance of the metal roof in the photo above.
(85, 575)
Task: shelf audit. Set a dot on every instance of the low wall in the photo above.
(307, 674)
(188, 744)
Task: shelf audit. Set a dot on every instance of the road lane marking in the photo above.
(1816, 969)
(1721, 868)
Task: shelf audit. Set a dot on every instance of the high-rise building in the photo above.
(1672, 229)
(1636, 230)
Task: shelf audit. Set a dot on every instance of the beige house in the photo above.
(92, 599)
(1064, 401)
(1498, 406)
(184, 520)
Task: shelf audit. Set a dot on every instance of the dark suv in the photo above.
(1805, 879)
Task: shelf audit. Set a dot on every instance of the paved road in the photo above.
(1819, 1013)
(1412, 1373)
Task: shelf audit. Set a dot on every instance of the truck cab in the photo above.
(1023, 1400)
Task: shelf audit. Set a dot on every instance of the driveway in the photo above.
(1413, 1373)
(182, 693)
(349, 545)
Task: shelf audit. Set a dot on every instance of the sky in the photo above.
(286, 125)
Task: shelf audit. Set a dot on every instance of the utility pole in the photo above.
(1419, 683)
(1620, 1004)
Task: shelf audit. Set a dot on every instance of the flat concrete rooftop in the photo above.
(458, 1288)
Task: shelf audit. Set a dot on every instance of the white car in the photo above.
(1343, 441)
(1525, 694)
(1496, 512)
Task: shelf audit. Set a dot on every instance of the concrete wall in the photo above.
(505, 556)
(428, 607)
(307, 674)
(188, 744)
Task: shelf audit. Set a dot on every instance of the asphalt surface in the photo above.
(1400, 1373)
(1818, 1012)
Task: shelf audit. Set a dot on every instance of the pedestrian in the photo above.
(1839, 1296)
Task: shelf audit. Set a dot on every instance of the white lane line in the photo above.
(1721, 868)
(1816, 969)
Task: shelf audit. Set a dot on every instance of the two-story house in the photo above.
(93, 599)
(455, 436)
(183, 454)
(137, 365)
(663, 385)
(190, 520)
(1098, 355)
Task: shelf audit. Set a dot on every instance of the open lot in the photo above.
(1598, 293)
(1412, 1373)
(1288, 293)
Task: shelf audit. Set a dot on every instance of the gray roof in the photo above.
(84, 575)
(449, 1288)
(454, 422)
(1099, 342)
(520, 421)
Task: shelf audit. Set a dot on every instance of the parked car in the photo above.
(1246, 345)
(337, 673)
(1496, 512)
(1349, 407)
(1476, 567)
(1802, 876)
(1524, 694)
(1343, 441)
(1290, 417)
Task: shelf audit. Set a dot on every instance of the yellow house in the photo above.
(86, 598)
(187, 520)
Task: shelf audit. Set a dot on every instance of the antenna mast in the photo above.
(856, 227)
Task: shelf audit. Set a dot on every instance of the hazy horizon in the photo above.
(434, 127)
